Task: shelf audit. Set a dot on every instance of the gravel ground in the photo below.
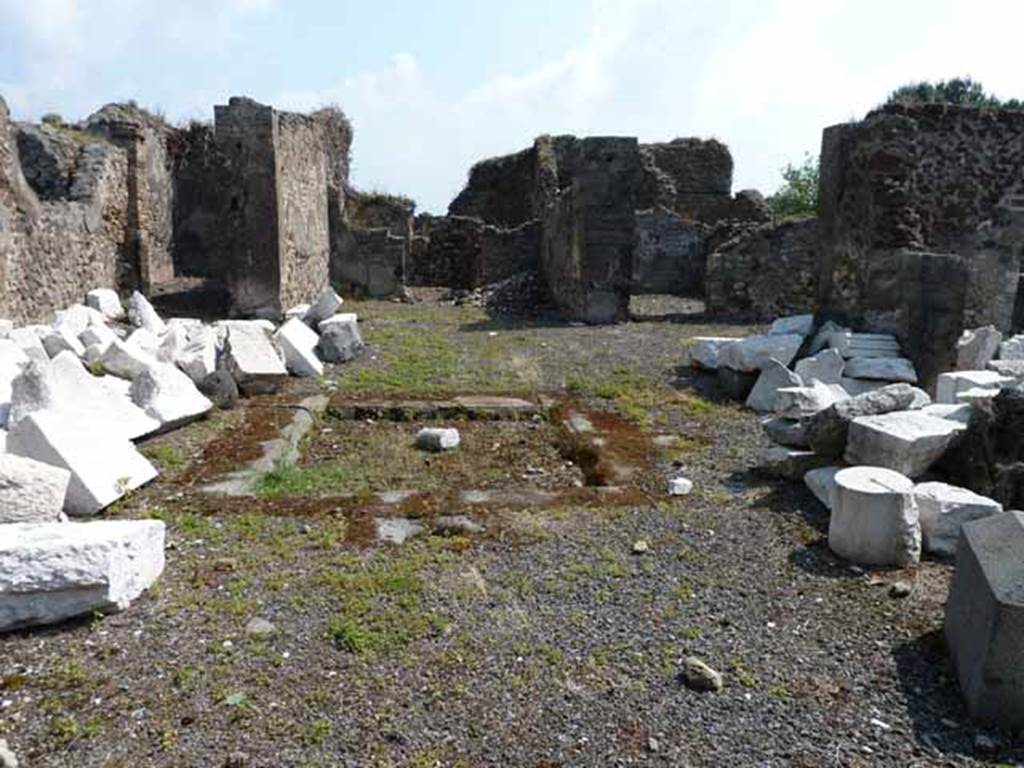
(546, 641)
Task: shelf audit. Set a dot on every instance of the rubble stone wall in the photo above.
(691, 176)
(52, 251)
(933, 185)
(371, 244)
(764, 271)
(669, 255)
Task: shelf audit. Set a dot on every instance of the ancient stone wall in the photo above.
(914, 192)
(693, 177)
(508, 252)
(302, 185)
(370, 244)
(54, 250)
(446, 252)
(669, 254)
(499, 190)
(589, 230)
(764, 271)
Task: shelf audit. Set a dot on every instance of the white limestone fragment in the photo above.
(1012, 348)
(252, 359)
(30, 491)
(104, 466)
(142, 315)
(821, 482)
(56, 571)
(950, 385)
(107, 302)
(326, 304)
(826, 367)
(12, 359)
(298, 342)
(60, 339)
(754, 352)
(169, 396)
(437, 439)
(199, 357)
(340, 340)
(99, 336)
(172, 344)
(977, 348)
(881, 369)
(801, 402)
(908, 442)
(774, 376)
(190, 325)
(299, 311)
(144, 341)
(120, 359)
(802, 325)
(704, 350)
(679, 486)
(29, 341)
(851, 344)
(944, 509)
(874, 517)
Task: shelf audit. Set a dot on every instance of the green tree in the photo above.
(960, 90)
(798, 194)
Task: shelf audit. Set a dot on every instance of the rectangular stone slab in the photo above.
(908, 442)
(56, 571)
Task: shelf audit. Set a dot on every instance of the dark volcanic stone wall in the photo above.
(764, 271)
(590, 230)
(927, 192)
(499, 190)
(371, 243)
(669, 254)
(691, 176)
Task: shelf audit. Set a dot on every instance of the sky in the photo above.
(432, 86)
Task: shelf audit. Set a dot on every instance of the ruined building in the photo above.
(253, 202)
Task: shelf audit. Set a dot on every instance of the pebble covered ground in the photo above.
(281, 634)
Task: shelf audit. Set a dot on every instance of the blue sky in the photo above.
(432, 86)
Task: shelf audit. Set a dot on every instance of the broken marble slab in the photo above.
(56, 571)
(826, 366)
(801, 325)
(340, 340)
(198, 359)
(874, 517)
(62, 338)
(64, 384)
(253, 359)
(774, 376)
(908, 442)
(299, 311)
(959, 413)
(106, 302)
(789, 432)
(944, 509)
(12, 360)
(803, 402)
(104, 466)
(326, 304)
(1013, 369)
(857, 387)
(869, 345)
(1012, 348)
(951, 384)
(704, 350)
(976, 348)
(823, 335)
(827, 430)
(31, 491)
(790, 463)
(30, 342)
(298, 343)
(169, 396)
(125, 361)
(754, 352)
(97, 335)
(142, 315)
(821, 482)
(881, 369)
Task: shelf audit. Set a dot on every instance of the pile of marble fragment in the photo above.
(77, 394)
(846, 418)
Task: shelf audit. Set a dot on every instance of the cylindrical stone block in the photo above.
(874, 517)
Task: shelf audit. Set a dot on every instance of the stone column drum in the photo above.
(874, 517)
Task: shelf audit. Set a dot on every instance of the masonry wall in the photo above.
(302, 199)
(53, 251)
(913, 193)
(764, 271)
(669, 254)
(691, 176)
(371, 244)
(589, 230)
